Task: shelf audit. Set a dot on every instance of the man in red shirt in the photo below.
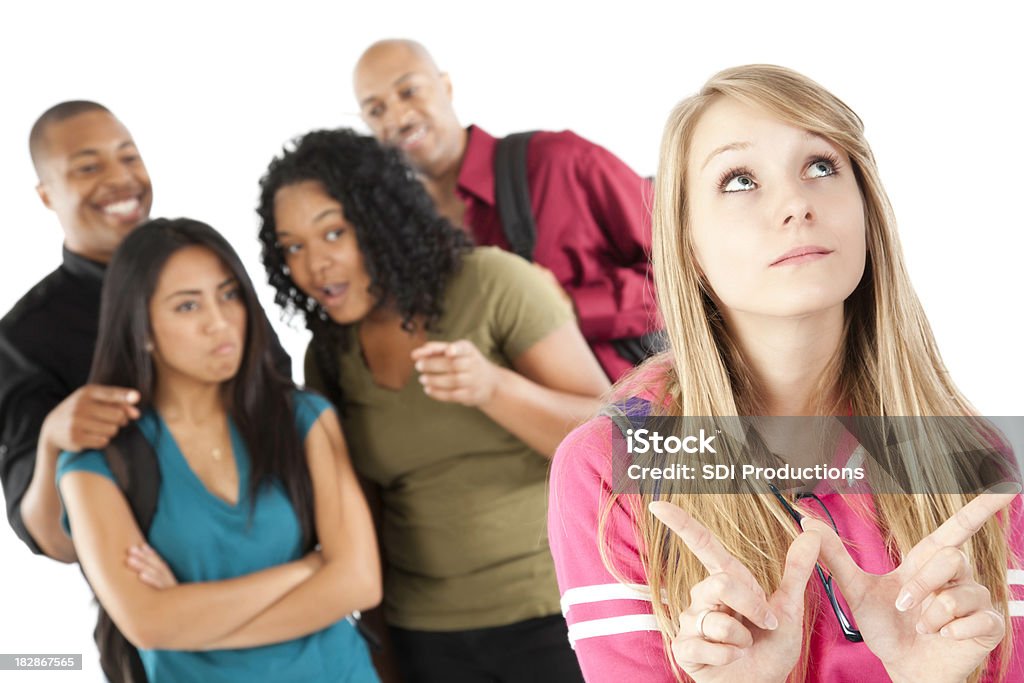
(592, 212)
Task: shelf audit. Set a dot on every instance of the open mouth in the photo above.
(331, 294)
(123, 209)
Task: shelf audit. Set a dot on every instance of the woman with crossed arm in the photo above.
(229, 583)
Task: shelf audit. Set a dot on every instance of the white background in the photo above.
(212, 90)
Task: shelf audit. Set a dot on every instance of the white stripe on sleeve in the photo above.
(582, 595)
(611, 626)
(1015, 577)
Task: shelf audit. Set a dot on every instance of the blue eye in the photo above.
(738, 180)
(822, 167)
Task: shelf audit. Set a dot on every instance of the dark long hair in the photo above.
(258, 398)
(410, 251)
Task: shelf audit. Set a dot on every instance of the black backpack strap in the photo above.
(133, 463)
(512, 193)
(638, 349)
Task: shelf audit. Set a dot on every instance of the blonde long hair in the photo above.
(887, 365)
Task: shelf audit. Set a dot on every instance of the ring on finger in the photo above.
(700, 623)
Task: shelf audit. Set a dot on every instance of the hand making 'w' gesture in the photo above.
(929, 619)
(731, 630)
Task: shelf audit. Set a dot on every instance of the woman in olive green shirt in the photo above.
(457, 372)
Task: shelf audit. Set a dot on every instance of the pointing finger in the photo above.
(462, 347)
(434, 365)
(109, 394)
(969, 519)
(701, 542)
(434, 348)
(956, 530)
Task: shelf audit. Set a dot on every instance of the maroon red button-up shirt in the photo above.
(593, 231)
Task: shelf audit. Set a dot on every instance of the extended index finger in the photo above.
(110, 394)
(434, 348)
(968, 520)
(701, 542)
(124, 399)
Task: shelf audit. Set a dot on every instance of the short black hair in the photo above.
(56, 114)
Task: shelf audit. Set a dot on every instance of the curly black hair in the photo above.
(410, 251)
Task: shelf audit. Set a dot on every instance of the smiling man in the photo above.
(92, 177)
(590, 210)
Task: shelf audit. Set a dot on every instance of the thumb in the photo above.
(800, 561)
(431, 348)
(835, 556)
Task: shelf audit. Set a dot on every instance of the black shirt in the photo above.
(46, 346)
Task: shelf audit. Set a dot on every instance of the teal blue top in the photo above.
(204, 538)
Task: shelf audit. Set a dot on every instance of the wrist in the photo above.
(47, 451)
(49, 437)
(45, 435)
(502, 382)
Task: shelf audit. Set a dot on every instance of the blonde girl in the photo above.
(784, 292)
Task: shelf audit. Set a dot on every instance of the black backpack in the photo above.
(512, 194)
